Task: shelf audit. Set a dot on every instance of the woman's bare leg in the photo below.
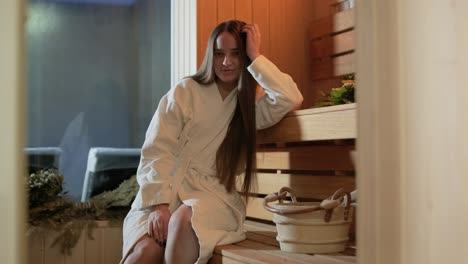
(182, 242)
(146, 250)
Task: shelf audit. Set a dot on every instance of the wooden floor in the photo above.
(261, 247)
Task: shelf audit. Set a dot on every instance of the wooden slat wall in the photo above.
(105, 247)
(311, 171)
(307, 186)
(309, 151)
(285, 27)
(332, 50)
(207, 19)
(305, 158)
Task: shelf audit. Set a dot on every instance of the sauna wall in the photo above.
(285, 27)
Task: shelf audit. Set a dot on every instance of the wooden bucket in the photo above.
(311, 227)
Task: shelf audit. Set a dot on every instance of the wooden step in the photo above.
(261, 247)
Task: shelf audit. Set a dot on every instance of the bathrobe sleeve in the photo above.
(281, 92)
(158, 153)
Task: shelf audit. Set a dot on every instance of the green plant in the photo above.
(340, 95)
(44, 186)
(50, 209)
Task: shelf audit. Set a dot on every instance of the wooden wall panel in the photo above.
(333, 66)
(94, 247)
(207, 19)
(338, 22)
(52, 254)
(79, 251)
(112, 239)
(105, 246)
(285, 27)
(295, 35)
(277, 30)
(310, 158)
(332, 45)
(255, 209)
(304, 186)
(322, 8)
(226, 10)
(243, 10)
(260, 15)
(35, 249)
(298, 57)
(288, 29)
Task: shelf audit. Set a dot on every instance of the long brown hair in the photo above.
(237, 151)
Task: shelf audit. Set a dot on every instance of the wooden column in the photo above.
(412, 125)
(12, 132)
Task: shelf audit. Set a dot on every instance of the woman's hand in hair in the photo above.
(158, 221)
(253, 40)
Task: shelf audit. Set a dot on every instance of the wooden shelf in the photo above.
(325, 123)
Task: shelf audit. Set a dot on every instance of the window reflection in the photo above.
(96, 71)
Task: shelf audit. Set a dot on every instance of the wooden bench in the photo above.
(309, 152)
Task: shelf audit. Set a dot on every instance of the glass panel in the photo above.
(96, 72)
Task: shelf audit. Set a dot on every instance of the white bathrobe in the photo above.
(178, 156)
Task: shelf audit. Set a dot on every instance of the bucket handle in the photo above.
(279, 196)
(335, 200)
(328, 204)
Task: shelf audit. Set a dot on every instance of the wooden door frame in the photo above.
(412, 126)
(183, 39)
(12, 133)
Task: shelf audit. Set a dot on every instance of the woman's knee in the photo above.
(181, 218)
(146, 250)
(182, 243)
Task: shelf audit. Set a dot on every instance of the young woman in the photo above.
(201, 138)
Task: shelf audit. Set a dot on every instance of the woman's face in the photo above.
(226, 58)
